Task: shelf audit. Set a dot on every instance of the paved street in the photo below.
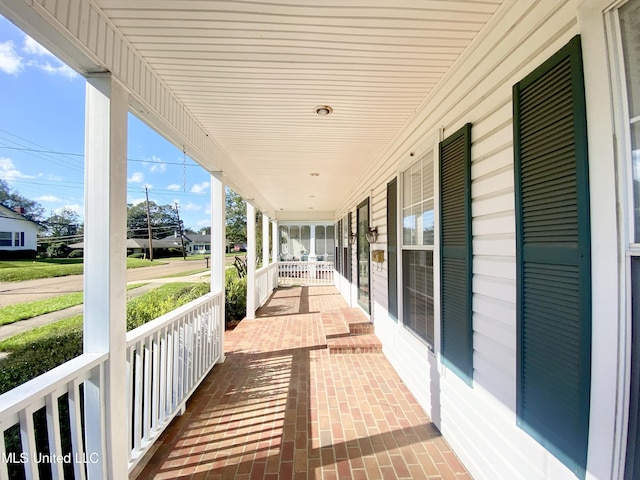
(18, 292)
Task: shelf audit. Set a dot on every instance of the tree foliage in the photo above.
(12, 199)
(236, 212)
(164, 220)
(63, 222)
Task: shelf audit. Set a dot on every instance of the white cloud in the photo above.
(48, 198)
(157, 166)
(174, 187)
(10, 61)
(190, 206)
(204, 223)
(50, 64)
(136, 201)
(200, 187)
(34, 48)
(75, 207)
(137, 177)
(61, 69)
(9, 172)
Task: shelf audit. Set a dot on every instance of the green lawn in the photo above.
(21, 270)
(157, 301)
(24, 311)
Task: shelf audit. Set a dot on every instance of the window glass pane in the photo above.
(406, 182)
(330, 242)
(630, 28)
(417, 269)
(284, 242)
(427, 222)
(320, 241)
(294, 243)
(5, 239)
(427, 177)
(416, 183)
(16, 237)
(305, 238)
(630, 31)
(408, 227)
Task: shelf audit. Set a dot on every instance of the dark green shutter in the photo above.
(553, 257)
(456, 253)
(392, 247)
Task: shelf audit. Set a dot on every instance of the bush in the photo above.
(235, 301)
(156, 303)
(58, 250)
(37, 357)
(136, 255)
(77, 253)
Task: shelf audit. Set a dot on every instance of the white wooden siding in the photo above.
(479, 422)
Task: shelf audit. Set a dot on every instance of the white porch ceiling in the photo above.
(251, 72)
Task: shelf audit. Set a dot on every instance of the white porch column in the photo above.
(251, 261)
(313, 255)
(105, 274)
(275, 240)
(218, 247)
(265, 240)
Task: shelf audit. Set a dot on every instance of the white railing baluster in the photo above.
(75, 421)
(155, 386)
(4, 471)
(53, 432)
(137, 396)
(146, 389)
(28, 441)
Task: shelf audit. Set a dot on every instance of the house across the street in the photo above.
(17, 233)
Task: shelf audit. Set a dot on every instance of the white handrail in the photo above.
(305, 273)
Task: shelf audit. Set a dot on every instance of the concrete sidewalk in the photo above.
(7, 331)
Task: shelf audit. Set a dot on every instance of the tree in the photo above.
(64, 222)
(12, 199)
(205, 231)
(164, 220)
(236, 211)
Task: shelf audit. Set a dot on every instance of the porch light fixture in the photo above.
(323, 110)
(372, 234)
(353, 236)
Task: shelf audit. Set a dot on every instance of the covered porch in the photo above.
(288, 403)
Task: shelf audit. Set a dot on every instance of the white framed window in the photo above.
(5, 239)
(418, 215)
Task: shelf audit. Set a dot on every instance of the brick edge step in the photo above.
(367, 343)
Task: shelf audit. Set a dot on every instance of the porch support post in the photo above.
(265, 240)
(251, 261)
(313, 255)
(105, 274)
(218, 249)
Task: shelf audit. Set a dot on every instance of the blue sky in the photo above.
(42, 138)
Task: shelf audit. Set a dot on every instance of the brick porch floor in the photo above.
(283, 407)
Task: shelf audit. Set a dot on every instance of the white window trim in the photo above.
(431, 144)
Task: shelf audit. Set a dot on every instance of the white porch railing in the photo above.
(305, 273)
(266, 282)
(44, 397)
(167, 359)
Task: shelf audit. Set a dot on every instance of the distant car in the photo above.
(240, 247)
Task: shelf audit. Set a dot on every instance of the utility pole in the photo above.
(146, 191)
(184, 253)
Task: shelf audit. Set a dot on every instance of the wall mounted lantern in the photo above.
(353, 237)
(372, 234)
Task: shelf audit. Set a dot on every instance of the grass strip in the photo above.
(21, 270)
(24, 311)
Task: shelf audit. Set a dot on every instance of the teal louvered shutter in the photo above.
(456, 253)
(553, 257)
(392, 247)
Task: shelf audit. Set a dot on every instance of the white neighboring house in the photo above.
(194, 243)
(17, 232)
